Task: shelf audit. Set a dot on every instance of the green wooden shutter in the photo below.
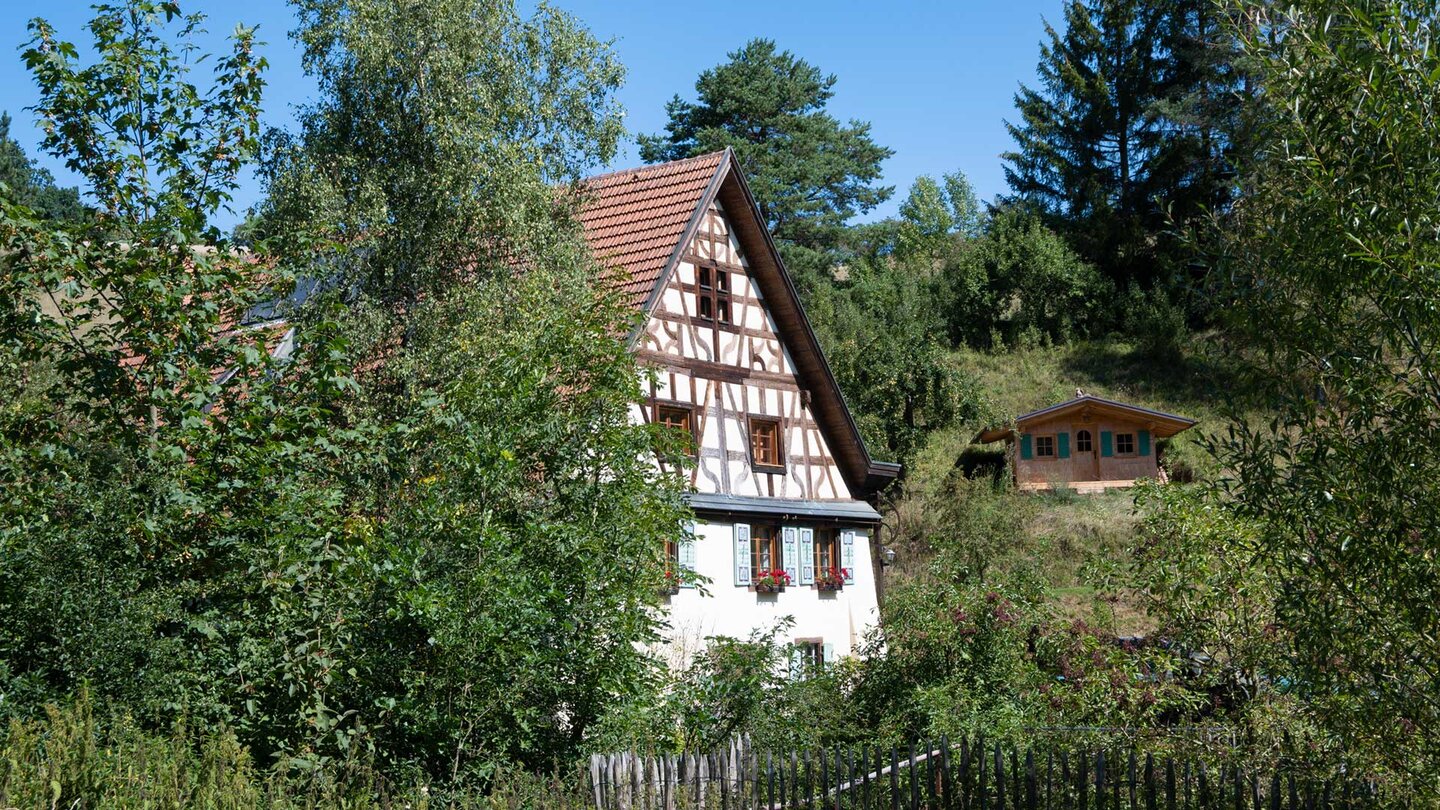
(1144, 442)
(1025, 452)
(742, 554)
(790, 552)
(1107, 444)
(1062, 444)
(807, 556)
(847, 556)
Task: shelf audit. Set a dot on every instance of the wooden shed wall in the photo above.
(1079, 467)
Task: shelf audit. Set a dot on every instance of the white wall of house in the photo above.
(838, 619)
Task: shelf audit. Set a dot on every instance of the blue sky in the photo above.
(935, 79)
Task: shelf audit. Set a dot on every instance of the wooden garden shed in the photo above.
(1087, 443)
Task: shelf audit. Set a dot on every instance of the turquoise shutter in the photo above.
(1144, 442)
(807, 556)
(1025, 446)
(847, 556)
(1062, 444)
(742, 554)
(828, 656)
(687, 559)
(791, 553)
(1107, 445)
(797, 662)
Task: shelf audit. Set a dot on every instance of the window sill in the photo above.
(768, 588)
(768, 469)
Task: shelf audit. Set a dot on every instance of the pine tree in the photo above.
(810, 173)
(1123, 133)
(33, 186)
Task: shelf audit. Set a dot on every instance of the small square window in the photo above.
(765, 442)
(1083, 442)
(722, 310)
(705, 278)
(1124, 444)
(1045, 446)
(809, 657)
(707, 308)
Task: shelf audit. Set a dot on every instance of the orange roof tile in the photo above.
(633, 219)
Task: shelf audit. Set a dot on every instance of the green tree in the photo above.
(33, 186)
(883, 335)
(1331, 269)
(810, 173)
(515, 508)
(1021, 281)
(413, 522)
(933, 219)
(1121, 135)
(432, 154)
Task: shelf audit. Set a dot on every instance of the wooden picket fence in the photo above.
(969, 775)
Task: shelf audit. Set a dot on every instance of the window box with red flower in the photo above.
(830, 579)
(771, 580)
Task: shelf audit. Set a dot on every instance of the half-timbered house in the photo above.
(782, 484)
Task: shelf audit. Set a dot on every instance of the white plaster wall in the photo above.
(840, 619)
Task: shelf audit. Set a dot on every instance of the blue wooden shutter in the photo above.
(807, 556)
(827, 654)
(1025, 452)
(791, 553)
(1107, 444)
(1144, 442)
(797, 662)
(742, 554)
(847, 556)
(1062, 444)
(687, 555)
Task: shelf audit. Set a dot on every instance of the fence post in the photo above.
(999, 779)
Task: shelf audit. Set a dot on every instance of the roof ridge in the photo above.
(649, 166)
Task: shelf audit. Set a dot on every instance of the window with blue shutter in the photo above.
(1062, 440)
(1107, 443)
(1025, 451)
(687, 556)
(791, 553)
(742, 554)
(1144, 442)
(807, 556)
(847, 555)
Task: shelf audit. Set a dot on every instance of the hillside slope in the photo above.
(1054, 535)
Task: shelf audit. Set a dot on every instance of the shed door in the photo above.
(1087, 453)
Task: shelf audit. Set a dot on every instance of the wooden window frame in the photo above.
(713, 293)
(1133, 443)
(812, 655)
(1084, 441)
(1046, 437)
(828, 539)
(656, 406)
(766, 534)
(755, 462)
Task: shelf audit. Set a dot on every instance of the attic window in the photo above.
(713, 293)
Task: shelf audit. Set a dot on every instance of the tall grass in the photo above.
(71, 759)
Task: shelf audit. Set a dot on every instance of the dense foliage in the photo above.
(1329, 265)
(1131, 127)
(412, 521)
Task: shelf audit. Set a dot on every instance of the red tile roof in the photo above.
(634, 218)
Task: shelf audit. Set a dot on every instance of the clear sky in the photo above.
(935, 79)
